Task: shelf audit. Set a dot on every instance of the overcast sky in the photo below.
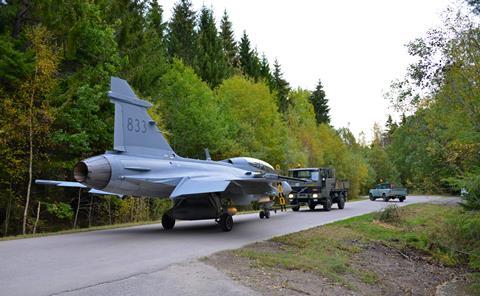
(355, 47)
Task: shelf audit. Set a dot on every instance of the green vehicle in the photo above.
(321, 188)
(387, 191)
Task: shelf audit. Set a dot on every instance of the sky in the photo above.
(356, 48)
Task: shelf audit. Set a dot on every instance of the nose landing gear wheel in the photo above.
(226, 222)
(168, 222)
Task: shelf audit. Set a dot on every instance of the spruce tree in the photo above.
(245, 54)
(211, 65)
(281, 86)
(249, 61)
(320, 104)
(265, 72)
(181, 32)
(229, 44)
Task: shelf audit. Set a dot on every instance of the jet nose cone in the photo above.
(286, 188)
(94, 172)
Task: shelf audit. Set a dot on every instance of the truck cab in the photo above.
(320, 187)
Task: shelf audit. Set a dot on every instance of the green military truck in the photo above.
(320, 187)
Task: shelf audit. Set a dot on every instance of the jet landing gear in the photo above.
(226, 222)
(168, 222)
(265, 213)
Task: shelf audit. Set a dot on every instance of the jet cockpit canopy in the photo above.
(251, 164)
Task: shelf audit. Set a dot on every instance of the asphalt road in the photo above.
(146, 260)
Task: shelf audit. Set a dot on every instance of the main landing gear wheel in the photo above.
(341, 202)
(264, 214)
(226, 222)
(168, 222)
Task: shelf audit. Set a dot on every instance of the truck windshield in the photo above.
(305, 174)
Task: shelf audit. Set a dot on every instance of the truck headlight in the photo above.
(290, 195)
(314, 195)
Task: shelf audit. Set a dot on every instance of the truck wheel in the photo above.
(267, 214)
(401, 198)
(168, 222)
(226, 222)
(295, 208)
(341, 203)
(327, 206)
(370, 196)
(385, 198)
(311, 206)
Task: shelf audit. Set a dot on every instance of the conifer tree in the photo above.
(249, 61)
(320, 104)
(211, 65)
(265, 72)
(229, 44)
(281, 86)
(181, 33)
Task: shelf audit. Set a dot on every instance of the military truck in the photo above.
(320, 187)
(387, 191)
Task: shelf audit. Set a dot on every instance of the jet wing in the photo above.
(210, 184)
(74, 185)
(198, 185)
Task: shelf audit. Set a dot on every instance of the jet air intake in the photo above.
(94, 172)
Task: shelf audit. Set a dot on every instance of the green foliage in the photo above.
(471, 183)
(60, 210)
(192, 115)
(254, 126)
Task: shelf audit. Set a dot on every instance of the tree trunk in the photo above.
(78, 208)
(90, 211)
(7, 214)
(30, 160)
(36, 219)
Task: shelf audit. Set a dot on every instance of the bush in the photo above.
(470, 182)
(391, 214)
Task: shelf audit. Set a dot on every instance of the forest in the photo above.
(210, 88)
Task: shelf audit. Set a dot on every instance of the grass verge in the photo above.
(441, 234)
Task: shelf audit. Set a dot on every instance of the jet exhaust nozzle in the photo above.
(94, 172)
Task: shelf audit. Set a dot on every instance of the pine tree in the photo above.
(249, 61)
(211, 64)
(265, 72)
(181, 33)
(320, 104)
(281, 86)
(229, 44)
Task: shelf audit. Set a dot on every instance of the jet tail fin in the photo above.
(135, 131)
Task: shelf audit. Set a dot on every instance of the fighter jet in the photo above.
(142, 163)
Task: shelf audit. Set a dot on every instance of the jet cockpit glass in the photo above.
(260, 165)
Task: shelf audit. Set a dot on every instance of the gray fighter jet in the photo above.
(142, 163)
